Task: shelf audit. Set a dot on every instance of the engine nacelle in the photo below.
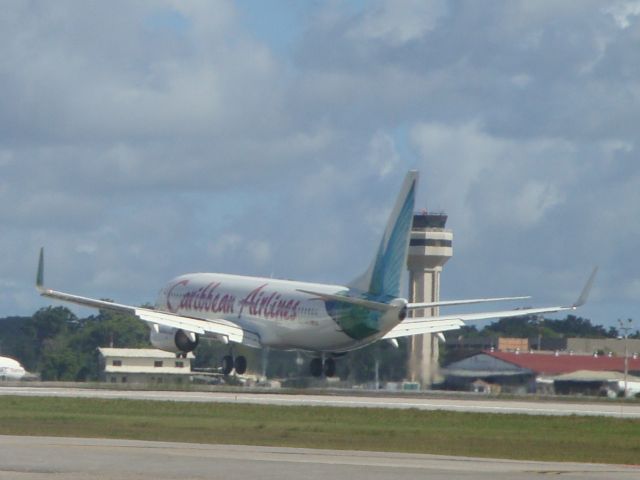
(174, 340)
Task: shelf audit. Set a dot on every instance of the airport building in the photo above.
(430, 247)
(606, 346)
(143, 365)
(537, 372)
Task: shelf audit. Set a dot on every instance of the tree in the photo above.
(108, 328)
(50, 321)
(60, 346)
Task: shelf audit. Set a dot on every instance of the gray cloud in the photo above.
(141, 141)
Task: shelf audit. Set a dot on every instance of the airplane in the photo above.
(11, 369)
(325, 320)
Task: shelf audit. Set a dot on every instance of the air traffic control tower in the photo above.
(430, 247)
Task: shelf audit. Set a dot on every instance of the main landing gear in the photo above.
(229, 364)
(317, 367)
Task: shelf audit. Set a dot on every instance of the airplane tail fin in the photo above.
(382, 278)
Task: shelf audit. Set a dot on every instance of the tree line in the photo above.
(58, 345)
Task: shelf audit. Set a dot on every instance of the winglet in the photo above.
(40, 276)
(584, 295)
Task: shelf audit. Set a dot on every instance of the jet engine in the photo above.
(174, 340)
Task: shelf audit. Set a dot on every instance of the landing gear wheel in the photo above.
(329, 367)
(241, 365)
(227, 364)
(315, 367)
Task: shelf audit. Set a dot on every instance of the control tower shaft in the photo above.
(430, 247)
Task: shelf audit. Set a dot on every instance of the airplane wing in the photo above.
(443, 323)
(219, 328)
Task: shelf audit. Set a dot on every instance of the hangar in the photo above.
(529, 372)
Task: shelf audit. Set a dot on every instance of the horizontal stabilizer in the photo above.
(371, 305)
(446, 303)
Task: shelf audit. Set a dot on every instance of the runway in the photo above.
(37, 458)
(484, 405)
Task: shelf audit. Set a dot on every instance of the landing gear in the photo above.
(240, 364)
(229, 364)
(317, 367)
(329, 367)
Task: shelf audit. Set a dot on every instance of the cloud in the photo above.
(139, 141)
(398, 22)
(146, 97)
(532, 209)
(471, 173)
(237, 246)
(382, 155)
(533, 201)
(623, 13)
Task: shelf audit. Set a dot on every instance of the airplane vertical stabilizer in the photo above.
(382, 278)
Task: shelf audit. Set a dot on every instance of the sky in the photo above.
(142, 140)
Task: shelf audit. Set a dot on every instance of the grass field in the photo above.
(582, 439)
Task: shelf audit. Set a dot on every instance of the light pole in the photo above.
(626, 331)
(540, 319)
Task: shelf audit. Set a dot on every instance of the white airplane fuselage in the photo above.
(276, 311)
(10, 369)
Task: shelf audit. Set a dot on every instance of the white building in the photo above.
(143, 365)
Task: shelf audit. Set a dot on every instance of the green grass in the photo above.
(582, 439)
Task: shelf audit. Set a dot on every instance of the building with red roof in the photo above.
(521, 372)
(559, 363)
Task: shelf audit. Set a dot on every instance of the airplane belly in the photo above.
(323, 336)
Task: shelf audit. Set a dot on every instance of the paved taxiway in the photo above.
(422, 403)
(36, 458)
